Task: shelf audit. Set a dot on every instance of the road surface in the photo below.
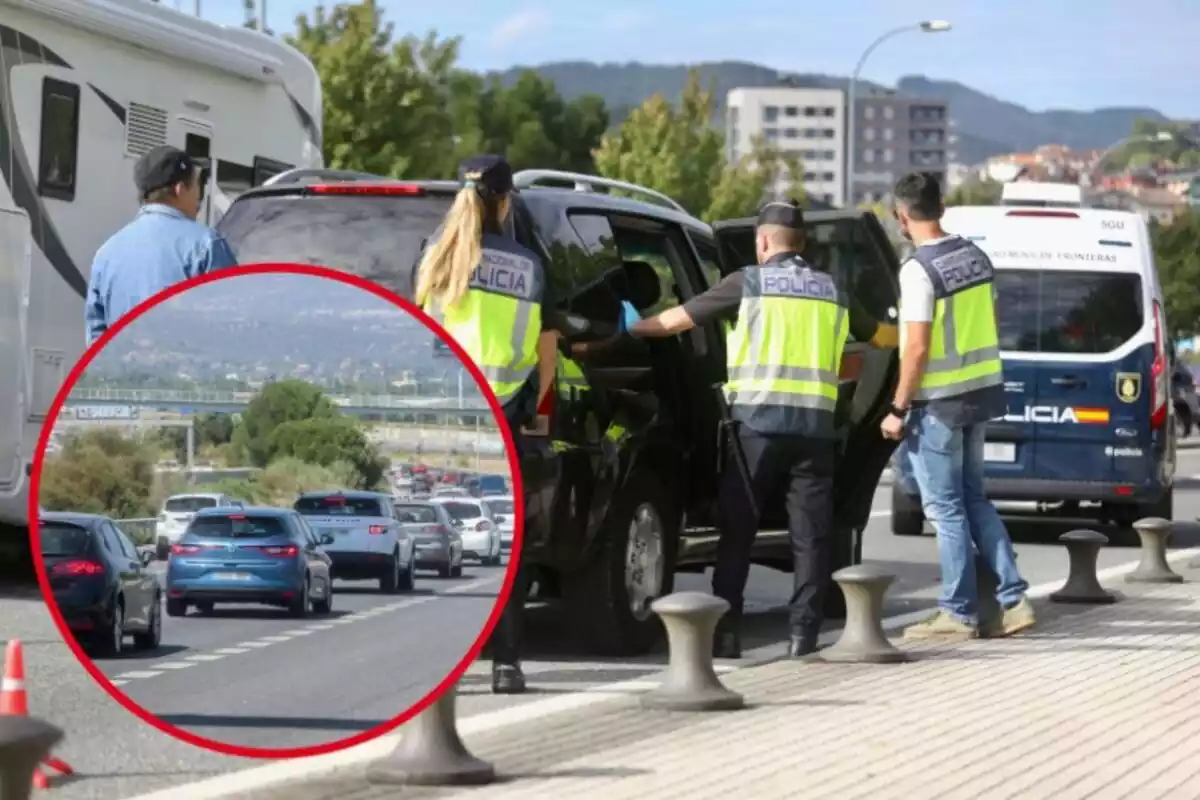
(120, 757)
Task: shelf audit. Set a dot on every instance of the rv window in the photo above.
(59, 151)
(197, 146)
(267, 168)
(233, 178)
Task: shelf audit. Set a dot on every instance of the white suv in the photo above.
(177, 512)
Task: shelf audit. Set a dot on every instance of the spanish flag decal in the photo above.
(1092, 416)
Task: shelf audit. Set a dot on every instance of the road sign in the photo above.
(105, 412)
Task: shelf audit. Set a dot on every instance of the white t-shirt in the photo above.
(917, 297)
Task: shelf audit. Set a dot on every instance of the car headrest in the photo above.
(642, 284)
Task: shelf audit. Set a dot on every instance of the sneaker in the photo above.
(942, 623)
(1019, 617)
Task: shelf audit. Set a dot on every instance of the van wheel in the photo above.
(608, 601)
(908, 518)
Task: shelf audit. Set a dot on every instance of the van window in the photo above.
(1058, 311)
(59, 148)
(378, 237)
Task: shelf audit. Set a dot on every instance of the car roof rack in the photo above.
(303, 173)
(532, 178)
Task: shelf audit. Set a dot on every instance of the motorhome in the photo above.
(86, 87)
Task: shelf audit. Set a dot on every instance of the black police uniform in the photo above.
(803, 464)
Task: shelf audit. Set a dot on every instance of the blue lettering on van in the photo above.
(504, 273)
(962, 269)
(793, 283)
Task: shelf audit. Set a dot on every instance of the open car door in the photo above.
(854, 247)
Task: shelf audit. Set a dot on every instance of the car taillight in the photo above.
(77, 568)
(185, 549)
(1158, 373)
(404, 189)
(284, 551)
(377, 530)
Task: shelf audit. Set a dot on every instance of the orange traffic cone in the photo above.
(14, 702)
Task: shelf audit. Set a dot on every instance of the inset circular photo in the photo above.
(275, 507)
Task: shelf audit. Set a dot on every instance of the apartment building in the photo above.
(893, 135)
(810, 122)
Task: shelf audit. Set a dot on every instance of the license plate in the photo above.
(233, 576)
(1000, 451)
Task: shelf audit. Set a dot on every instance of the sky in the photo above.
(1077, 54)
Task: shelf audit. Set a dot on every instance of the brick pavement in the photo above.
(1097, 702)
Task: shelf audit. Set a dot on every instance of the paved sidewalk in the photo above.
(1096, 702)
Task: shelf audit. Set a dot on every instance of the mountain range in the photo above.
(985, 125)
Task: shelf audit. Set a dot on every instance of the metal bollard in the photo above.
(1154, 532)
(991, 616)
(24, 742)
(431, 753)
(691, 683)
(863, 640)
(1082, 586)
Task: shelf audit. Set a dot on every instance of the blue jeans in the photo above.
(948, 466)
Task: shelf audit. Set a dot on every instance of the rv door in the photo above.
(195, 138)
(16, 255)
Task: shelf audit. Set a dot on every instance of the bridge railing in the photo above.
(413, 403)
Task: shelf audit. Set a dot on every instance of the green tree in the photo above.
(101, 472)
(276, 404)
(983, 192)
(1177, 254)
(326, 442)
(278, 484)
(210, 431)
(1152, 142)
(676, 150)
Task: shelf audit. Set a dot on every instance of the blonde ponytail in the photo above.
(445, 271)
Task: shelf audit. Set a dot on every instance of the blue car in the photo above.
(266, 556)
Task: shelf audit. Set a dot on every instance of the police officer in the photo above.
(783, 357)
(490, 294)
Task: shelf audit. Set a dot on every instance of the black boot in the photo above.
(727, 640)
(802, 643)
(507, 679)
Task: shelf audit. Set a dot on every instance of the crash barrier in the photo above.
(862, 640)
(1083, 585)
(140, 531)
(1155, 533)
(24, 737)
(24, 743)
(690, 682)
(431, 752)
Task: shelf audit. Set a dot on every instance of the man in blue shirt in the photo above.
(162, 246)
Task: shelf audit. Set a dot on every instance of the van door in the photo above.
(16, 254)
(854, 247)
(1009, 451)
(194, 137)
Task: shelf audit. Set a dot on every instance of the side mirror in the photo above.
(576, 325)
(325, 539)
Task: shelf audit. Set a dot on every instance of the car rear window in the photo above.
(1059, 311)
(462, 510)
(237, 526)
(182, 505)
(62, 539)
(417, 514)
(500, 506)
(376, 236)
(336, 506)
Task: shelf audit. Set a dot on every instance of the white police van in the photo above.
(1088, 429)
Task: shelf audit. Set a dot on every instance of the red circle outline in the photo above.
(455, 674)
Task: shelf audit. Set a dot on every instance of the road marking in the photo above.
(206, 657)
(118, 682)
(138, 673)
(175, 665)
(232, 651)
(275, 639)
(299, 632)
(255, 644)
(321, 626)
(237, 784)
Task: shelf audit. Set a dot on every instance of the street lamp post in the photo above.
(928, 26)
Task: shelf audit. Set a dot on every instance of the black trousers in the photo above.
(805, 467)
(508, 636)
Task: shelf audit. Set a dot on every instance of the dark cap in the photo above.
(161, 167)
(490, 174)
(786, 214)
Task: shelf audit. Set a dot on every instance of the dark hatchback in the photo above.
(102, 586)
(623, 488)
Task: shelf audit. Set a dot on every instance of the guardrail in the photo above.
(413, 404)
(140, 530)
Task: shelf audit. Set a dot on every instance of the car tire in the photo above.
(176, 608)
(299, 606)
(110, 642)
(389, 582)
(598, 599)
(325, 604)
(445, 570)
(908, 518)
(407, 579)
(456, 572)
(152, 638)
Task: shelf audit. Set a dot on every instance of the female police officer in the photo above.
(489, 293)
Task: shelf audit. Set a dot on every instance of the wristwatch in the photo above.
(896, 411)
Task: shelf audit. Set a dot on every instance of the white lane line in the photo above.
(118, 682)
(232, 651)
(176, 665)
(255, 644)
(321, 626)
(138, 673)
(275, 639)
(205, 657)
(299, 632)
(237, 784)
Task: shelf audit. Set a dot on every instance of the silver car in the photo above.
(503, 512)
(436, 541)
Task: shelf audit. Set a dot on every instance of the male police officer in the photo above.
(783, 358)
(952, 382)
(163, 245)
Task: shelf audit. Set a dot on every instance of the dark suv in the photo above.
(626, 496)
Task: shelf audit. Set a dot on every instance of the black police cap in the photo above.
(161, 167)
(489, 173)
(786, 214)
